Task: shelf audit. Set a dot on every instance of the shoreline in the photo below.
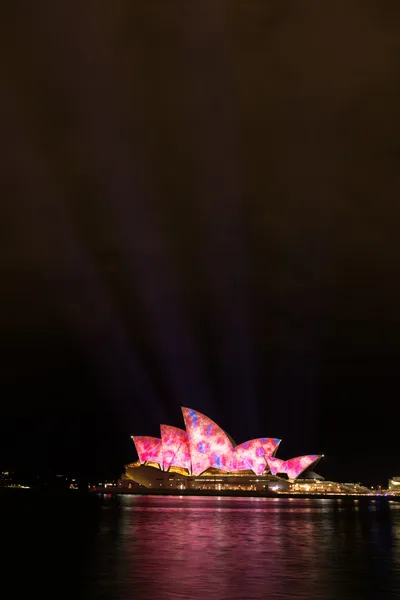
(244, 494)
(364, 498)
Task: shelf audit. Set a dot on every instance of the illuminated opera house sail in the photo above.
(203, 455)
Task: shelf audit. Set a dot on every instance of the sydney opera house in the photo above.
(204, 457)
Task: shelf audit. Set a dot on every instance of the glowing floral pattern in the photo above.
(276, 465)
(209, 445)
(204, 444)
(252, 455)
(175, 447)
(296, 466)
(148, 449)
(292, 467)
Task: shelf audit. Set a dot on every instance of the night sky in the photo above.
(200, 207)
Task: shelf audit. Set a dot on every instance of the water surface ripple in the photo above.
(204, 548)
(245, 549)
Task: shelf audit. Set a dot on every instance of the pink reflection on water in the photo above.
(229, 548)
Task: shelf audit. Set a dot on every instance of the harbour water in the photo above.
(133, 547)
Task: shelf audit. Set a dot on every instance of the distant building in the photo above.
(5, 479)
(394, 485)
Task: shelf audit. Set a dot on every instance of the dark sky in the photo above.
(200, 206)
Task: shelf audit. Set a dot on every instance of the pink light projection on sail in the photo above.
(204, 444)
(296, 466)
(252, 455)
(209, 445)
(149, 449)
(276, 465)
(175, 447)
(292, 467)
